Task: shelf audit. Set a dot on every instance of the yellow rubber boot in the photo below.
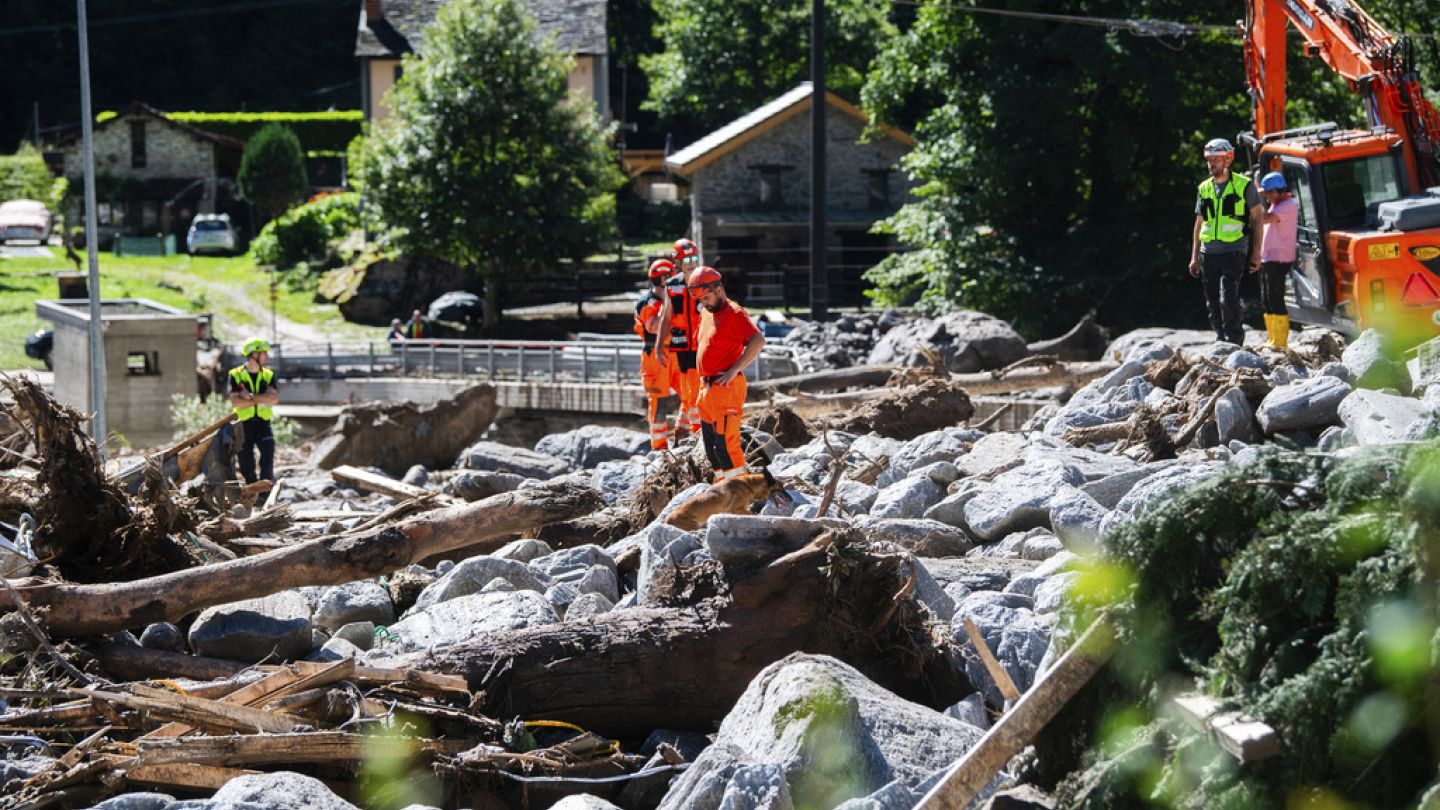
(1269, 329)
(1281, 338)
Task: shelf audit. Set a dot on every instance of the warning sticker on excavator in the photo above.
(1418, 291)
(1384, 251)
(1425, 252)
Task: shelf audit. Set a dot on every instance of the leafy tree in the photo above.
(24, 175)
(272, 170)
(723, 58)
(1058, 163)
(486, 163)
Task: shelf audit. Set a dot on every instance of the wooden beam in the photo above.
(179, 775)
(997, 672)
(1244, 737)
(370, 482)
(1017, 727)
(198, 712)
(268, 749)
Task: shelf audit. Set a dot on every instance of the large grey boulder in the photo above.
(968, 341)
(1372, 364)
(617, 479)
(1153, 489)
(363, 601)
(588, 446)
(456, 620)
(1109, 490)
(828, 730)
(948, 444)
(523, 550)
(1234, 418)
(496, 457)
(1376, 418)
(1306, 404)
(928, 538)
(993, 454)
(474, 574)
(587, 605)
(571, 563)
(1019, 499)
(254, 629)
(473, 485)
(136, 801)
(1015, 634)
(583, 801)
(908, 498)
(602, 580)
(1076, 519)
(281, 790)
(1139, 342)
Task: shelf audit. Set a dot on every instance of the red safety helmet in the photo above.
(685, 252)
(702, 276)
(661, 269)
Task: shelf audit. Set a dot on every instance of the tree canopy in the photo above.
(1058, 163)
(486, 163)
(272, 170)
(723, 58)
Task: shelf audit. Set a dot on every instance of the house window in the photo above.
(878, 190)
(771, 194)
(399, 71)
(137, 144)
(142, 364)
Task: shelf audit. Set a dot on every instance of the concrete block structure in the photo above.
(149, 356)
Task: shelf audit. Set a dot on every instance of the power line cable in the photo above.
(254, 5)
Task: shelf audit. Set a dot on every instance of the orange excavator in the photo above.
(1369, 231)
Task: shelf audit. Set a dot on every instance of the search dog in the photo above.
(732, 497)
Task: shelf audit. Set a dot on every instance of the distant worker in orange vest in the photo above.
(684, 321)
(727, 342)
(655, 375)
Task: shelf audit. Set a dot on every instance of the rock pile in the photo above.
(993, 524)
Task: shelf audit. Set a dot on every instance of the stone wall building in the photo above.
(152, 174)
(389, 29)
(750, 198)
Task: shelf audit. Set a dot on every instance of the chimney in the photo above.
(373, 13)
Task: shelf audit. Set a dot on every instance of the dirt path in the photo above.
(259, 310)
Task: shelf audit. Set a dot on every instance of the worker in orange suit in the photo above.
(727, 342)
(685, 255)
(655, 374)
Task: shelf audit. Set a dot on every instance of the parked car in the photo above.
(40, 344)
(210, 233)
(24, 219)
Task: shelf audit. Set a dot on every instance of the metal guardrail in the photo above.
(500, 360)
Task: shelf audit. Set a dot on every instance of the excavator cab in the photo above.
(1367, 254)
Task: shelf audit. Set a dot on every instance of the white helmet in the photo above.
(1219, 147)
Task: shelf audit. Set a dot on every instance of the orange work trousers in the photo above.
(721, 408)
(686, 382)
(657, 381)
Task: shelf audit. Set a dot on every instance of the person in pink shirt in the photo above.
(1277, 255)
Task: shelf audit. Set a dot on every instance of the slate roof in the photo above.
(757, 122)
(578, 26)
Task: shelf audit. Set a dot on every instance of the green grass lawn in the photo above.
(231, 288)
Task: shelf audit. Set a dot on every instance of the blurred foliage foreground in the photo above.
(1301, 588)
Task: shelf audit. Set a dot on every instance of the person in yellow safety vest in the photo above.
(684, 315)
(1227, 211)
(659, 380)
(253, 394)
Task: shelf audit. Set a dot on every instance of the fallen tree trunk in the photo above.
(827, 380)
(76, 610)
(628, 672)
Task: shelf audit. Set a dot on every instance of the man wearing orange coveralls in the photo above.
(686, 256)
(657, 377)
(727, 342)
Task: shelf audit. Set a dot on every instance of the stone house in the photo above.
(152, 174)
(389, 29)
(750, 198)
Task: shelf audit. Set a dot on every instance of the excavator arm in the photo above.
(1377, 66)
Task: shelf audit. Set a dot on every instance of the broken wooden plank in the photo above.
(247, 695)
(323, 515)
(416, 679)
(131, 662)
(992, 665)
(180, 775)
(273, 499)
(1245, 738)
(198, 712)
(1017, 727)
(371, 482)
(266, 749)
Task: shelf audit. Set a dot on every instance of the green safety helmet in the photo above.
(253, 345)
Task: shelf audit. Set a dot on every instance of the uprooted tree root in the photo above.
(788, 427)
(905, 413)
(88, 528)
(675, 474)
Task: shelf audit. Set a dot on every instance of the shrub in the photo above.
(24, 175)
(307, 233)
(272, 169)
(190, 416)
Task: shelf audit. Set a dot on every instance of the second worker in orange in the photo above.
(727, 342)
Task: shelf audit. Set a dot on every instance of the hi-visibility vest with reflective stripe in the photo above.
(254, 384)
(1225, 219)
